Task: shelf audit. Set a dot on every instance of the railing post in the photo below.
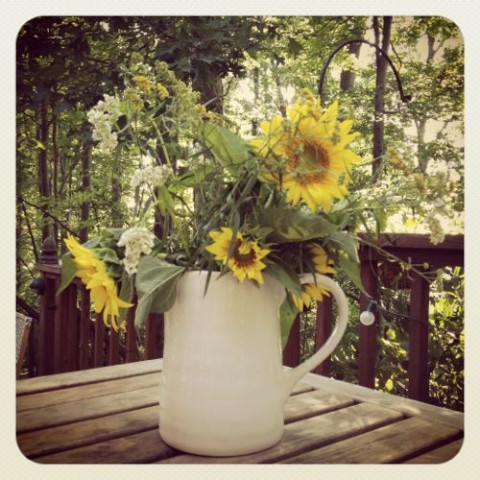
(46, 331)
(84, 330)
(131, 336)
(418, 371)
(367, 347)
(153, 335)
(99, 341)
(66, 331)
(323, 329)
(291, 352)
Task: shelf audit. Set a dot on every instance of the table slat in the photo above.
(82, 377)
(145, 447)
(89, 391)
(86, 409)
(406, 405)
(439, 455)
(389, 444)
(113, 424)
(88, 432)
(311, 433)
(110, 415)
(313, 403)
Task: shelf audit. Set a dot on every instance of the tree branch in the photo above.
(48, 214)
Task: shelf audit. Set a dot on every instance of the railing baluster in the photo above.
(131, 336)
(367, 344)
(323, 329)
(46, 331)
(152, 327)
(66, 331)
(84, 330)
(98, 346)
(291, 352)
(113, 347)
(418, 372)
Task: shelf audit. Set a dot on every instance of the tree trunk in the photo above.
(85, 207)
(43, 176)
(55, 159)
(421, 123)
(210, 87)
(256, 96)
(381, 64)
(347, 77)
(117, 217)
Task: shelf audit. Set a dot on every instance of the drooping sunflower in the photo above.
(306, 155)
(245, 260)
(103, 290)
(311, 291)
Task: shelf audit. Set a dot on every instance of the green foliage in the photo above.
(155, 283)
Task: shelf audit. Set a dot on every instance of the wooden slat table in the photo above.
(110, 415)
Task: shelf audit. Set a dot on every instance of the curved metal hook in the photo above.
(403, 97)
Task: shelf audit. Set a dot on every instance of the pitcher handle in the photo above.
(294, 375)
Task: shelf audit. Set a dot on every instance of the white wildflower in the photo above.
(437, 234)
(102, 116)
(137, 241)
(154, 176)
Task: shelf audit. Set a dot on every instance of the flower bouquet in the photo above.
(207, 199)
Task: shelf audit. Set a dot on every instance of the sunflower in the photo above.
(103, 290)
(246, 257)
(312, 291)
(306, 155)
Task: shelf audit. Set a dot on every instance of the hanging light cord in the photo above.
(372, 306)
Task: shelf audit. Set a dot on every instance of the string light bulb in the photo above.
(367, 317)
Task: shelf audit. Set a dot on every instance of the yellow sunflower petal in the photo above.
(306, 156)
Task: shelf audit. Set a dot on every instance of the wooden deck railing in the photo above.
(71, 338)
(377, 264)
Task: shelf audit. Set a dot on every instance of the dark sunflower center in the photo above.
(309, 163)
(241, 258)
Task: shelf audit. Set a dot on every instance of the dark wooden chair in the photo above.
(23, 325)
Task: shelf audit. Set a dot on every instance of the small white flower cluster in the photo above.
(137, 241)
(102, 117)
(437, 234)
(154, 176)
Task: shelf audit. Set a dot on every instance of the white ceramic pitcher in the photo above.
(223, 387)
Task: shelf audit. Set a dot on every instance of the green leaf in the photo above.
(352, 269)
(195, 176)
(288, 313)
(107, 255)
(285, 275)
(294, 225)
(229, 149)
(115, 233)
(389, 385)
(92, 243)
(126, 293)
(346, 243)
(156, 283)
(68, 272)
(165, 201)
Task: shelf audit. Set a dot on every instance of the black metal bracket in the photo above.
(403, 97)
